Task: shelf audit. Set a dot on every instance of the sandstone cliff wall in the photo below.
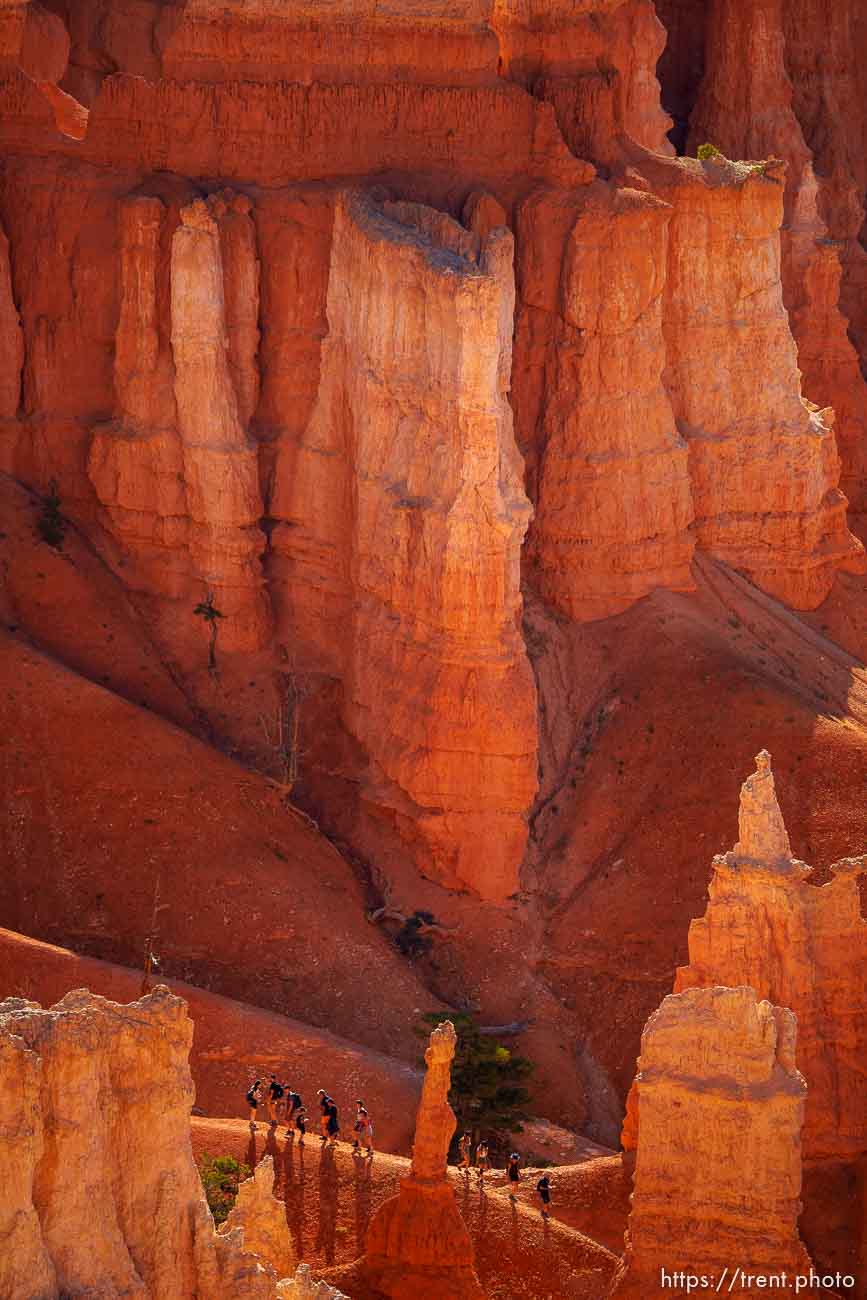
(271, 395)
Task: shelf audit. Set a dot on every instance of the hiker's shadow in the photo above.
(293, 1192)
(270, 1149)
(328, 1190)
(362, 1187)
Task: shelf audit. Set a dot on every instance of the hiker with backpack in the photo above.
(254, 1096)
(324, 1107)
(293, 1105)
(275, 1094)
(363, 1129)
(513, 1175)
(543, 1188)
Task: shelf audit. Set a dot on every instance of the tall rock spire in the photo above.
(418, 1246)
(762, 832)
(800, 946)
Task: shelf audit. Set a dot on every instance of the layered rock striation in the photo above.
(799, 944)
(404, 503)
(102, 1196)
(746, 107)
(293, 405)
(718, 1167)
(177, 471)
(614, 507)
(417, 1243)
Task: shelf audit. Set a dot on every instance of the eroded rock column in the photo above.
(220, 461)
(745, 108)
(261, 1218)
(718, 1168)
(408, 508)
(799, 945)
(135, 461)
(763, 465)
(104, 1196)
(614, 506)
(418, 1247)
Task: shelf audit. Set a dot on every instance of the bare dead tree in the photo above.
(423, 928)
(282, 732)
(207, 610)
(151, 960)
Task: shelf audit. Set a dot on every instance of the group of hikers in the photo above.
(282, 1102)
(513, 1171)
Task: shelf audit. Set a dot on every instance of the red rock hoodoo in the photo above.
(423, 487)
(718, 1165)
(417, 1243)
(799, 945)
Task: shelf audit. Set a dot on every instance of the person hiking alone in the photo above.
(464, 1153)
(293, 1105)
(333, 1123)
(253, 1098)
(275, 1093)
(359, 1128)
(543, 1187)
(513, 1174)
(482, 1160)
(301, 1123)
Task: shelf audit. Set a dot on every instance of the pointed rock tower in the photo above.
(799, 946)
(718, 1168)
(418, 1247)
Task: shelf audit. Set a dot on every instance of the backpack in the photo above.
(251, 1097)
(278, 1090)
(296, 1101)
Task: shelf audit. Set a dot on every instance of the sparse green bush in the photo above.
(706, 151)
(220, 1177)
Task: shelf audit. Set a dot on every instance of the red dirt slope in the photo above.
(232, 1041)
(101, 797)
(330, 1198)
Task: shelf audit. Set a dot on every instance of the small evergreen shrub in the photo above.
(220, 1177)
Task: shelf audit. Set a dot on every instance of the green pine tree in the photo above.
(487, 1093)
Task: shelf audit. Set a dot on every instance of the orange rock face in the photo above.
(405, 504)
(97, 1099)
(746, 107)
(261, 1219)
(417, 1243)
(177, 471)
(764, 468)
(768, 926)
(718, 1167)
(614, 510)
(297, 394)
